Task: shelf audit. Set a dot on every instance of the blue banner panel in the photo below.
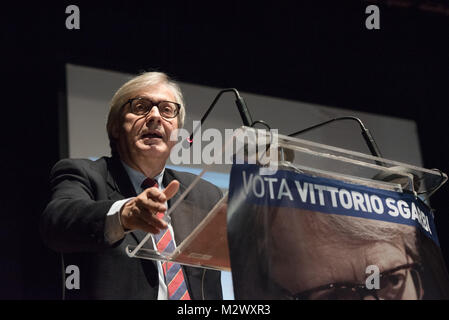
(296, 236)
(297, 190)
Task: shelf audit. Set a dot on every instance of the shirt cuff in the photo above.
(114, 230)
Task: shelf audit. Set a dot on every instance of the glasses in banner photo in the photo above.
(394, 284)
(286, 245)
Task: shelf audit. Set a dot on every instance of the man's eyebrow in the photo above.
(155, 100)
(385, 264)
(143, 97)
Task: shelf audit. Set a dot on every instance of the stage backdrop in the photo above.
(89, 91)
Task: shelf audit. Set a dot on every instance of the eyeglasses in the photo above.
(141, 106)
(391, 287)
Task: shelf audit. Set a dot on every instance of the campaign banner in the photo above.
(296, 236)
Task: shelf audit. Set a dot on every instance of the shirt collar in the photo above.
(137, 177)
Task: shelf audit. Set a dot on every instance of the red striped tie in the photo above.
(174, 278)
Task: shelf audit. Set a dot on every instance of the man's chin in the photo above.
(154, 149)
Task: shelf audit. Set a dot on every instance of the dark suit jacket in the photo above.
(74, 220)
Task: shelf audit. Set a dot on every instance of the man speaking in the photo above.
(97, 208)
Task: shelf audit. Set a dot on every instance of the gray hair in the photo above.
(359, 230)
(144, 80)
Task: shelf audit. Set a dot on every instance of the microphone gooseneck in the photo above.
(369, 140)
(241, 106)
(397, 174)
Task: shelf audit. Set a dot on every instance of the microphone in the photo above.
(369, 140)
(406, 178)
(366, 134)
(241, 106)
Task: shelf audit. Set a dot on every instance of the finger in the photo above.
(149, 215)
(171, 189)
(147, 223)
(155, 194)
(150, 205)
(153, 220)
(144, 226)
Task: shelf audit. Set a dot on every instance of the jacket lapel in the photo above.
(118, 181)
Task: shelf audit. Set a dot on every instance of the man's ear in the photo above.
(115, 131)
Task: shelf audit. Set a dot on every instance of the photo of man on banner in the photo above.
(289, 241)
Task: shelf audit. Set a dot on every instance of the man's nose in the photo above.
(153, 115)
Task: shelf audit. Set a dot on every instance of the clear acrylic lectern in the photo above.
(207, 245)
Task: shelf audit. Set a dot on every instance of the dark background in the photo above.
(312, 51)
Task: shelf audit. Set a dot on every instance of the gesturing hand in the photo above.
(141, 211)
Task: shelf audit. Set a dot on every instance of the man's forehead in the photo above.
(157, 92)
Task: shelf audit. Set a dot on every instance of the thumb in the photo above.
(171, 189)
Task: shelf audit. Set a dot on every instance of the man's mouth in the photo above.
(151, 135)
